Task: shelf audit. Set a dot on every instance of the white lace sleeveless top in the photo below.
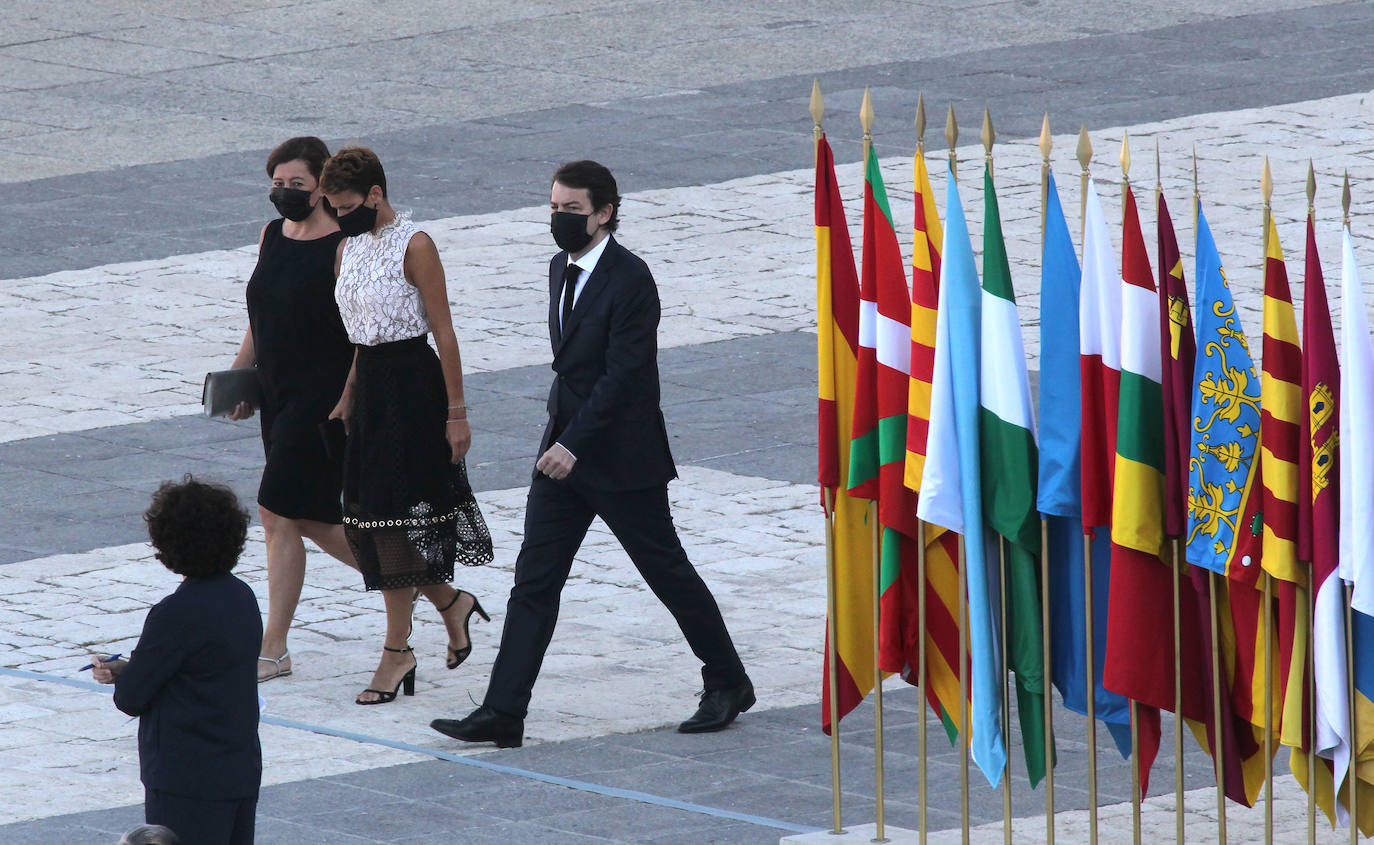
(376, 302)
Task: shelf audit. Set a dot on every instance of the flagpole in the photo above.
(1177, 573)
(866, 119)
(1218, 765)
(1135, 727)
(1046, 143)
(1311, 621)
(1085, 155)
(1353, 774)
(952, 137)
(1267, 190)
(923, 797)
(831, 653)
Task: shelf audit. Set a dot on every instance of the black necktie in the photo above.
(570, 277)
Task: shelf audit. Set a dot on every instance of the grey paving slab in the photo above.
(75, 492)
(449, 154)
(770, 765)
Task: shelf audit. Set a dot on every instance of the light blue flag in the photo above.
(1226, 417)
(1060, 488)
(963, 297)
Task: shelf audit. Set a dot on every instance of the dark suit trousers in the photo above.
(199, 821)
(557, 516)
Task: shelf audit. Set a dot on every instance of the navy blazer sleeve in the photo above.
(631, 361)
(156, 658)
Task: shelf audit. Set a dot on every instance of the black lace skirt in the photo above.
(409, 512)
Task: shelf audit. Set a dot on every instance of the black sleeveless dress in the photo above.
(303, 358)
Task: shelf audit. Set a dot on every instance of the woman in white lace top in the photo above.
(409, 512)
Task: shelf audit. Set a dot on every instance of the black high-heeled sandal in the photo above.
(456, 656)
(407, 681)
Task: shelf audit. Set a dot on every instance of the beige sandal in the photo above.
(276, 663)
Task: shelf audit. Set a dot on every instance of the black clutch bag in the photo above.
(335, 437)
(224, 390)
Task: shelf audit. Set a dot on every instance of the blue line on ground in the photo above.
(570, 783)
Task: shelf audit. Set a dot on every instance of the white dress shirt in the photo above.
(588, 264)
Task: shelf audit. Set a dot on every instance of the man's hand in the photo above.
(105, 673)
(556, 463)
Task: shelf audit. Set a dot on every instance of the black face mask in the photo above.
(292, 203)
(570, 230)
(359, 220)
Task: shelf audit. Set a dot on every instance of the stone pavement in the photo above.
(132, 147)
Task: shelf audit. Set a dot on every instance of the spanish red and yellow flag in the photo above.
(837, 335)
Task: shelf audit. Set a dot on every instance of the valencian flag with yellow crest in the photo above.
(941, 623)
(837, 346)
(877, 451)
(1223, 505)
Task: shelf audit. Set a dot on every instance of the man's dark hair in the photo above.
(598, 182)
(198, 529)
(354, 169)
(150, 834)
(308, 149)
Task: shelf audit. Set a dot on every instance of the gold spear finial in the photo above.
(1266, 182)
(1345, 200)
(817, 107)
(920, 122)
(866, 120)
(952, 138)
(1085, 148)
(1125, 155)
(988, 135)
(1046, 140)
(1311, 187)
(1196, 193)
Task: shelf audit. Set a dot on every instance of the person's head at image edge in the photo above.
(585, 206)
(150, 834)
(295, 167)
(354, 183)
(198, 529)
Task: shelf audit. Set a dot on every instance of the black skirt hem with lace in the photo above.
(409, 512)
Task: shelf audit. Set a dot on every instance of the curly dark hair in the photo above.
(198, 529)
(598, 182)
(354, 169)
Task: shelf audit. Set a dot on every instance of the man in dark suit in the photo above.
(192, 678)
(604, 453)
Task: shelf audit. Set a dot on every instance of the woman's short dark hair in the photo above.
(598, 182)
(354, 169)
(198, 529)
(308, 149)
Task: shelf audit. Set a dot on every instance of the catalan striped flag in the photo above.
(877, 457)
(1319, 522)
(1139, 664)
(1059, 497)
(837, 346)
(1280, 439)
(941, 683)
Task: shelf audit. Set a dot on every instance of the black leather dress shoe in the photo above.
(719, 708)
(484, 725)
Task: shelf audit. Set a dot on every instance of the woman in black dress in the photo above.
(297, 342)
(409, 512)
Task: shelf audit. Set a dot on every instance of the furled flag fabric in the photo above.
(951, 495)
(1099, 341)
(1178, 347)
(941, 624)
(1318, 529)
(1060, 482)
(837, 337)
(1356, 555)
(1140, 663)
(1280, 436)
(878, 451)
(1009, 464)
(1226, 418)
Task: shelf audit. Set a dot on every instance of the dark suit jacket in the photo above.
(603, 406)
(193, 682)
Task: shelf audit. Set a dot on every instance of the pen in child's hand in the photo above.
(112, 658)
